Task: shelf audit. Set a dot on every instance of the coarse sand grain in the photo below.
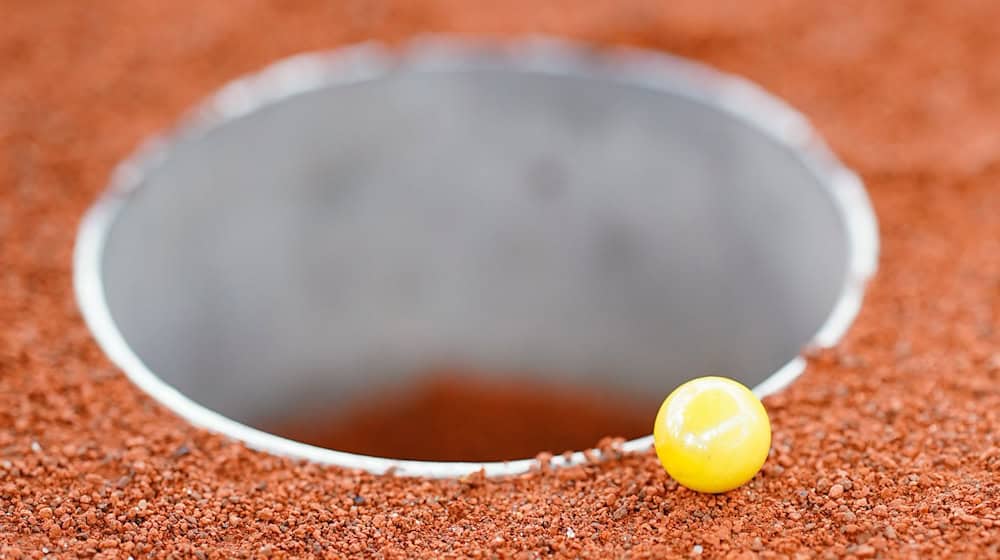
(886, 447)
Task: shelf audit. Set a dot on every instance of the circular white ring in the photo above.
(656, 71)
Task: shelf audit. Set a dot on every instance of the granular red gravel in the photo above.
(887, 447)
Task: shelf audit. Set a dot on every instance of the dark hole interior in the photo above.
(456, 415)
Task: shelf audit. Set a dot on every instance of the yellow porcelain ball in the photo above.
(712, 434)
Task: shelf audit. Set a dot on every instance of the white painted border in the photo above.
(738, 97)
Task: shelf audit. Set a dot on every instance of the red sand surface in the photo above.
(887, 447)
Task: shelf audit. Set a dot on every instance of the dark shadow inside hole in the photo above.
(457, 415)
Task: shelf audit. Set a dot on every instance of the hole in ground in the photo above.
(344, 239)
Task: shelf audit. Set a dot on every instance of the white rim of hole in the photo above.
(656, 71)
